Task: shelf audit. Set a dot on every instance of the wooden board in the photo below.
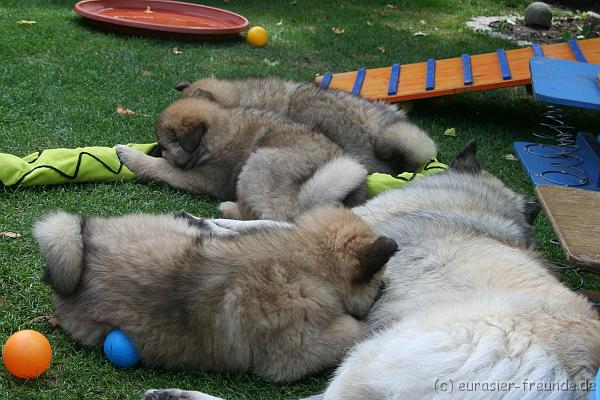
(575, 218)
(449, 79)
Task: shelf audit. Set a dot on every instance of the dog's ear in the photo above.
(465, 160)
(531, 210)
(182, 85)
(190, 140)
(375, 256)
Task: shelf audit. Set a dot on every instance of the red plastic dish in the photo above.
(161, 18)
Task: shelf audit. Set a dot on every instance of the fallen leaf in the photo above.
(450, 132)
(419, 33)
(26, 22)
(381, 49)
(280, 22)
(422, 22)
(271, 63)
(381, 13)
(369, 23)
(175, 50)
(337, 30)
(52, 320)
(121, 109)
(391, 6)
(12, 235)
(145, 72)
(510, 157)
(148, 11)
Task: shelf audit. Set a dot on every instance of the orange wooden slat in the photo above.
(449, 73)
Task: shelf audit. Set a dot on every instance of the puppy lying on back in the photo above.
(281, 302)
(376, 134)
(274, 167)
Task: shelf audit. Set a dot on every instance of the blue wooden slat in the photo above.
(326, 80)
(394, 78)
(537, 50)
(467, 73)
(430, 81)
(503, 64)
(360, 77)
(577, 51)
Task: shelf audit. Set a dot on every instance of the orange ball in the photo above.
(27, 354)
(257, 36)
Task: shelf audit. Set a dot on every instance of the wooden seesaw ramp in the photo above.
(456, 75)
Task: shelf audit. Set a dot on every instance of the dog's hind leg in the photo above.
(205, 226)
(251, 226)
(176, 394)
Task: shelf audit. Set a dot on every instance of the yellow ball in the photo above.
(257, 36)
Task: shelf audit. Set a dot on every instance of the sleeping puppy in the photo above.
(275, 168)
(470, 311)
(378, 135)
(280, 300)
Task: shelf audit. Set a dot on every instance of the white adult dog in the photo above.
(470, 311)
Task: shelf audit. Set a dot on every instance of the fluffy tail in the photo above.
(332, 182)
(61, 243)
(407, 142)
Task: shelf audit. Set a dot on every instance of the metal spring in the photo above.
(565, 162)
(562, 150)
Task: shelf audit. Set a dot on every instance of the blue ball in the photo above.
(120, 350)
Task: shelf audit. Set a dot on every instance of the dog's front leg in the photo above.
(160, 170)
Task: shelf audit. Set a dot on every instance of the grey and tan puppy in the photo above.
(275, 168)
(376, 134)
(279, 300)
(470, 311)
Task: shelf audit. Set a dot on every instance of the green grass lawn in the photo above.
(62, 82)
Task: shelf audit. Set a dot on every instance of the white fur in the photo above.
(332, 182)
(60, 241)
(467, 305)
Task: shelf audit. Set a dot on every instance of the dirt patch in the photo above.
(565, 25)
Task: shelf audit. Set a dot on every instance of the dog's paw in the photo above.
(175, 394)
(230, 210)
(131, 158)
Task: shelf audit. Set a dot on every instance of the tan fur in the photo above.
(256, 157)
(377, 134)
(280, 302)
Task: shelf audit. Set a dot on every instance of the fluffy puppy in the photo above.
(376, 134)
(470, 311)
(281, 301)
(275, 168)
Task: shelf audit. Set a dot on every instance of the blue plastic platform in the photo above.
(577, 167)
(572, 84)
(568, 83)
